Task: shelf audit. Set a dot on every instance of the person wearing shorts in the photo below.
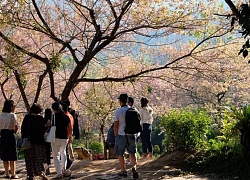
(124, 141)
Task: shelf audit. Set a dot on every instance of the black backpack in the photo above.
(132, 120)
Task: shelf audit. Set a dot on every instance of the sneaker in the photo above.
(123, 174)
(67, 173)
(135, 173)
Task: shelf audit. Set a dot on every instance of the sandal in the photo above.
(14, 177)
(6, 177)
(43, 176)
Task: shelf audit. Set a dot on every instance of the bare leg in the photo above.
(13, 168)
(6, 167)
(122, 162)
(133, 160)
(133, 163)
(70, 149)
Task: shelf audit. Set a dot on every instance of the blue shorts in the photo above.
(125, 142)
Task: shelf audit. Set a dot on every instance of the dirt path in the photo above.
(107, 169)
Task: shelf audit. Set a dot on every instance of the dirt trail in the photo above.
(161, 168)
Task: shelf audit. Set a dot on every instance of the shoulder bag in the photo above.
(24, 143)
(51, 135)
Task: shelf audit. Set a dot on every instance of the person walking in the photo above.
(74, 113)
(146, 113)
(8, 128)
(69, 148)
(62, 123)
(47, 120)
(33, 126)
(122, 141)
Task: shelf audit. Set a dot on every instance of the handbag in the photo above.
(51, 135)
(24, 143)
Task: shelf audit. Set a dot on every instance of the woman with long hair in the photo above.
(146, 113)
(62, 123)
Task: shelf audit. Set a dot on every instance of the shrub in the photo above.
(156, 149)
(96, 147)
(186, 128)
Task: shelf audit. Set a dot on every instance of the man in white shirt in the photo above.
(123, 141)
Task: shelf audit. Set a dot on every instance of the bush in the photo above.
(96, 147)
(156, 149)
(186, 128)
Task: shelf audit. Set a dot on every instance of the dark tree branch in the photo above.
(129, 77)
(39, 85)
(232, 7)
(21, 88)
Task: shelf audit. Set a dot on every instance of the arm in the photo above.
(116, 125)
(69, 130)
(15, 128)
(15, 124)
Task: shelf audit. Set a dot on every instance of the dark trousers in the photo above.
(146, 138)
(69, 162)
(48, 151)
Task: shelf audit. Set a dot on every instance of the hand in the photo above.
(70, 139)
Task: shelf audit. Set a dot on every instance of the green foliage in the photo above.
(157, 136)
(96, 147)
(242, 115)
(156, 149)
(78, 142)
(55, 62)
(139, 148)
(186, 128)
(20, 154)
(224, 150)
(243, 18)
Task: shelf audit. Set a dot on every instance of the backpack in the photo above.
(132, 120)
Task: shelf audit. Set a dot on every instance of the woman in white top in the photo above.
(146, 113)
(8, 128)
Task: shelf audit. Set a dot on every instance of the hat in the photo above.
(123, 97)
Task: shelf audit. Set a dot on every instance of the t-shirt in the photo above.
(120, 116)
(61, 123)
(7, 121)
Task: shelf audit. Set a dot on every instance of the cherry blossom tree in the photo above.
(99, 33)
